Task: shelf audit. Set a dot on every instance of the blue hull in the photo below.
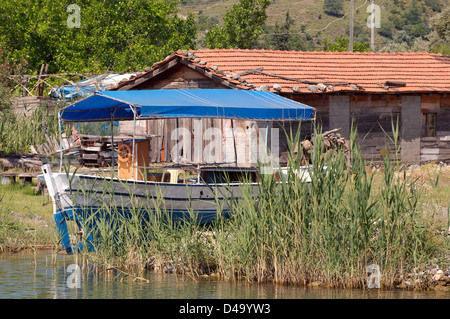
(88, 219)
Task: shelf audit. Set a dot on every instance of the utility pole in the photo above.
(352, 19)
(372, 26)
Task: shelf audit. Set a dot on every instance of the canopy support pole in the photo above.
(112, 145)
(266, 150)
(267, 135)
(313, 121)
(234, 142)
(178, 144)
(60, 143)
(134, 144)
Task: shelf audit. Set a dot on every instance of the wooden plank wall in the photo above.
(321, 104)
(28, 104)
(195, 139)
(374, 116)
(179, 77)
(182, 77)
(437, 149)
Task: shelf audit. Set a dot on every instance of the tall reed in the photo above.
(19, 131)
(329, 230)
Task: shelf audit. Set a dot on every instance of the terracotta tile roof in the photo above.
(309, 72)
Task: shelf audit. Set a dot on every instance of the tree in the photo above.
(438, 41)
(387, 28)
(281, 36)
(242, 26)
(117, 35)
(334, 7)
(341, 45)
(440, 37)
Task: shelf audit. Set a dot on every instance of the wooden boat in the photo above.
(80, 198)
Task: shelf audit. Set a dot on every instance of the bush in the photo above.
(334, 7)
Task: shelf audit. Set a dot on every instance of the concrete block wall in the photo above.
(411, 129)
(339, 114)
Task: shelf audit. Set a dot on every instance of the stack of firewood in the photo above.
(332, 143)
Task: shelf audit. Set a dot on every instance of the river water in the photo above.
(43, 275)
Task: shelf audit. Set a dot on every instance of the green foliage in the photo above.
(205, 22)
(407, 24)
(342, 43)
(412, 18)
(117, 35)
(242, 26)
(409, 39)
(23, 218)
(281, 36)
(97, 128)
(18, 131)
(387, 28)
(441, 35)
(286, 37)
(441, 48)
(7, 83)
(334, 7)
(122, 35)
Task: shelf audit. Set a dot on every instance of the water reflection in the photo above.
(25, 275)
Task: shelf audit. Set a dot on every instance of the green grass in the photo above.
(24, 221)
(24, 199)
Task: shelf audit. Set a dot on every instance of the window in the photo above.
(428, 124)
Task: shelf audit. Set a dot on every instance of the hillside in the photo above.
(402, 21)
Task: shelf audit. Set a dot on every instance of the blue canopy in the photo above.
(197, 103)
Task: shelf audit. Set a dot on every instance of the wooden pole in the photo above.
(41, 87)
(352, 19)
(112, 145)
(234, 143)
(372, 26)
(133, 154)
(39, 80)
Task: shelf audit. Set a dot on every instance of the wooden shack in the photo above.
(372, 90)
